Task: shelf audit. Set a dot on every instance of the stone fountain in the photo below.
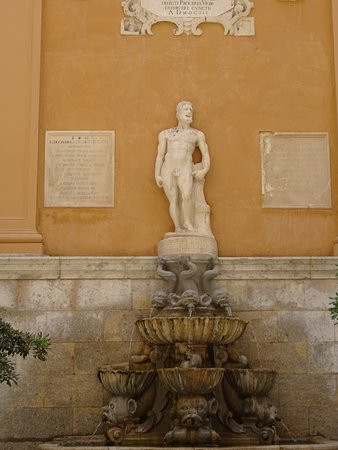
(176, 391)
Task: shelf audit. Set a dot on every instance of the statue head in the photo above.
(184, 111)
(240, 7)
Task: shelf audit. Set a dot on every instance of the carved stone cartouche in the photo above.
(141, 15)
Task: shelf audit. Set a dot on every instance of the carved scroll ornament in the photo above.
(187, 15)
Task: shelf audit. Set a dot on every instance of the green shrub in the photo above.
(14, 342)
(334, 307)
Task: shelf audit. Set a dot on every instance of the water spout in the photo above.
(258, 347)
(95, 431)
(288, 431)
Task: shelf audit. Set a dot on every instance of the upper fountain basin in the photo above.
(125, 382)
(194, 330)
(191, 381)
(248, 382)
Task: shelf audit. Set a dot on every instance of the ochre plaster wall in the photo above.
(281, 80)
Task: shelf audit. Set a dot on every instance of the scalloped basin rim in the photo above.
(192, 369)
(225, 318)
(197, 329)
(113, 369)
(258, 370)
(191, 381)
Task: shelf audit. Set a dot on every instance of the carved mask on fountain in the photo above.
(193, 411)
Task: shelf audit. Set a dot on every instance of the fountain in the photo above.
(189, 340)
(188, 386)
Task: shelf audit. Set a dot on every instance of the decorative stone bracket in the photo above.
(141, 15)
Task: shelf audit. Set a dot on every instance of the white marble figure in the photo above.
(181, 179)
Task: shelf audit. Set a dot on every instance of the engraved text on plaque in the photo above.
(295, 170)
(79, 169)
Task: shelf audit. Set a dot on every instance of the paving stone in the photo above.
(309, 326)
(142, 291)
(60, 360)
(306, 390)
(43, 423)
(323, 357)
(262, 326)
(323, 420)
(296, 419)
(86, 420)
(318, 292)
(29, 392)
(75, 326)
(7, 421)
(31, 321)
(282, 357)
(237, 291)
(275, 295)
(8, 293)
(103, 353)
(103, 294)
(46, 295)
(120, 325)
(74, 390)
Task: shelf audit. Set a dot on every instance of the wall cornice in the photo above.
(144, 267)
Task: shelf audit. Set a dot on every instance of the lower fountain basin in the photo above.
(195, 330)
(251, 382)
(125, 382)
(192, 381)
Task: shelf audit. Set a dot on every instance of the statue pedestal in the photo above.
(187, 244)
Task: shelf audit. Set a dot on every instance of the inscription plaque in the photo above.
(79, 168)
(188, 8)
(187, 15)
(295, 170)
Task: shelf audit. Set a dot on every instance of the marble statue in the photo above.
(181, 179)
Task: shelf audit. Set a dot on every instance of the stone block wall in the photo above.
(88, 306)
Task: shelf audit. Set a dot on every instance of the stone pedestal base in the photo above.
(21, 243)
(187, 244)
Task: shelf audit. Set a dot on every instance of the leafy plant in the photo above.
(334, 307)
(14, 342)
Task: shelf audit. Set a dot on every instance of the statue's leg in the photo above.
(185, 184)
(171, 191)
